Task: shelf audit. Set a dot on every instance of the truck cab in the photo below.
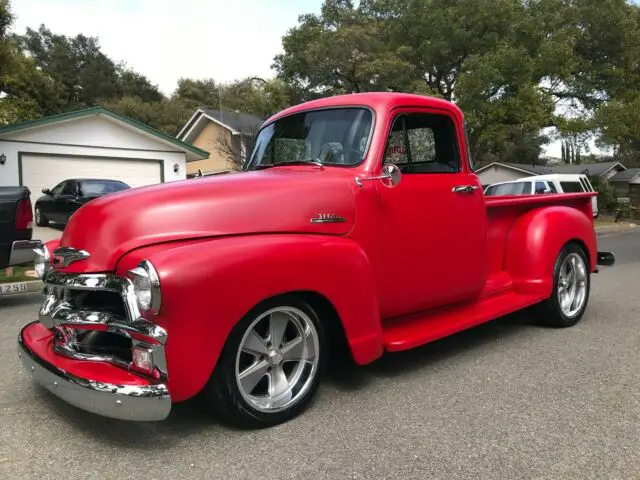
(357, 222)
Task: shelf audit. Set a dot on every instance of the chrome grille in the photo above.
(95, 317)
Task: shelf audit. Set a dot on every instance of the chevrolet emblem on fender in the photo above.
(65, 256)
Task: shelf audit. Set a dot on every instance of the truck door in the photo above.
(434, 225)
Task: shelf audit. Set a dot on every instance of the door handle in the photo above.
(464, 188)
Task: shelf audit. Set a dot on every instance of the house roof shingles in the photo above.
(588, 168)
(625, 175)
(240, 122)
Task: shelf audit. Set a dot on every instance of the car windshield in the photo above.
(337, 136)
(516, 188)
(91, 188)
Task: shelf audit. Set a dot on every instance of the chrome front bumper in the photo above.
(22, 251)
(125, 402)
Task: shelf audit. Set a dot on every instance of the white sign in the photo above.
(9, 288)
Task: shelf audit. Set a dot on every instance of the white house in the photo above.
(90, 143)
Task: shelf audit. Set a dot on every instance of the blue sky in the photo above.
(166, 40)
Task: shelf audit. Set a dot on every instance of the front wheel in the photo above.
(271, 365)
(571, 288)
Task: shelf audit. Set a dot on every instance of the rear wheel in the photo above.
(271, 365)
(41, 220)
(571, 289)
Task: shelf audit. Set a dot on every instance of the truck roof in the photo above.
(377, 101)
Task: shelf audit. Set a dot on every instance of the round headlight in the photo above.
(41, 261)
(146, 287)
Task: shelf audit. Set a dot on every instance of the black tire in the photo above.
(223, 393)
(41, 220)
(550, 313)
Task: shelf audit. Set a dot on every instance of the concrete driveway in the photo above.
(52, 232)
(507, 400)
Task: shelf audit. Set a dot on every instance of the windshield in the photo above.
(516, 188)
(90, 188)
(337, 136)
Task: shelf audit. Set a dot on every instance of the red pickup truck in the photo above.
(357, 222)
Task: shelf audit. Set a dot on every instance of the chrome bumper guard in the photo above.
(58, 314)
(22, 251)
(124, 402)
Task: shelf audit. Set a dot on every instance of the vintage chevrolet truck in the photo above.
(357, 221)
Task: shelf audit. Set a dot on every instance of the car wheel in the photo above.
(571, 289)
(41, 220)
(271, 365)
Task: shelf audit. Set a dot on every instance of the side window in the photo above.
(69, 188)
(423, 143)
(540, 188)
(58, 188)
(552, 187)
(571, 187)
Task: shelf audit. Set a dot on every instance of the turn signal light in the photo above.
(142, 359)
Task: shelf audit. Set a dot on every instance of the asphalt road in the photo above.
(505, 400)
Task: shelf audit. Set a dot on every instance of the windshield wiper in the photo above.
(294, 162)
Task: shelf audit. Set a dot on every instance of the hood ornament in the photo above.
(65, 256)
(328, 218)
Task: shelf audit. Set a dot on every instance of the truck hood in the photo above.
(277, 200)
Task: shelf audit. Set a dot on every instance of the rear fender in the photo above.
(535, 241)
(208, 286)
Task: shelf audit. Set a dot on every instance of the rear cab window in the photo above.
(514, 188)
(572, 187)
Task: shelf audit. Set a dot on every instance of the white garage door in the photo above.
(40, 171)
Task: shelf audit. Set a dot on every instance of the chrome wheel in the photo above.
(38, 220)
(278, 359)
(572, 285)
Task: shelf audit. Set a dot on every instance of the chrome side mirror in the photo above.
(390, 176)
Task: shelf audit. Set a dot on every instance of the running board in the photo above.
(408, 332)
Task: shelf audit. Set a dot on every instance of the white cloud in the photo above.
(166, 40)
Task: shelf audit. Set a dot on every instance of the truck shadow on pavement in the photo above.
(194, 418)
(351, 377)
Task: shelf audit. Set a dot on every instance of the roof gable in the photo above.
(140, 128)
(237, 123)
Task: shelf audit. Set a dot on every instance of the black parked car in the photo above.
(58, 204)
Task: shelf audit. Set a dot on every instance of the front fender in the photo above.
(535, 241)
(208, 286)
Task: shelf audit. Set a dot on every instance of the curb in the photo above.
(609, 230)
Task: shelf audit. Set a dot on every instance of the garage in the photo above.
(46, 171)
(94, 143)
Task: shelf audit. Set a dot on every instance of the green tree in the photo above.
(251, 95)
(168, 116)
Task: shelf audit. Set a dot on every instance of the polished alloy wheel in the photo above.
(572, 284)
(37, 216)
(277, 360)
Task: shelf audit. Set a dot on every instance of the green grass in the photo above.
(18, 275)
